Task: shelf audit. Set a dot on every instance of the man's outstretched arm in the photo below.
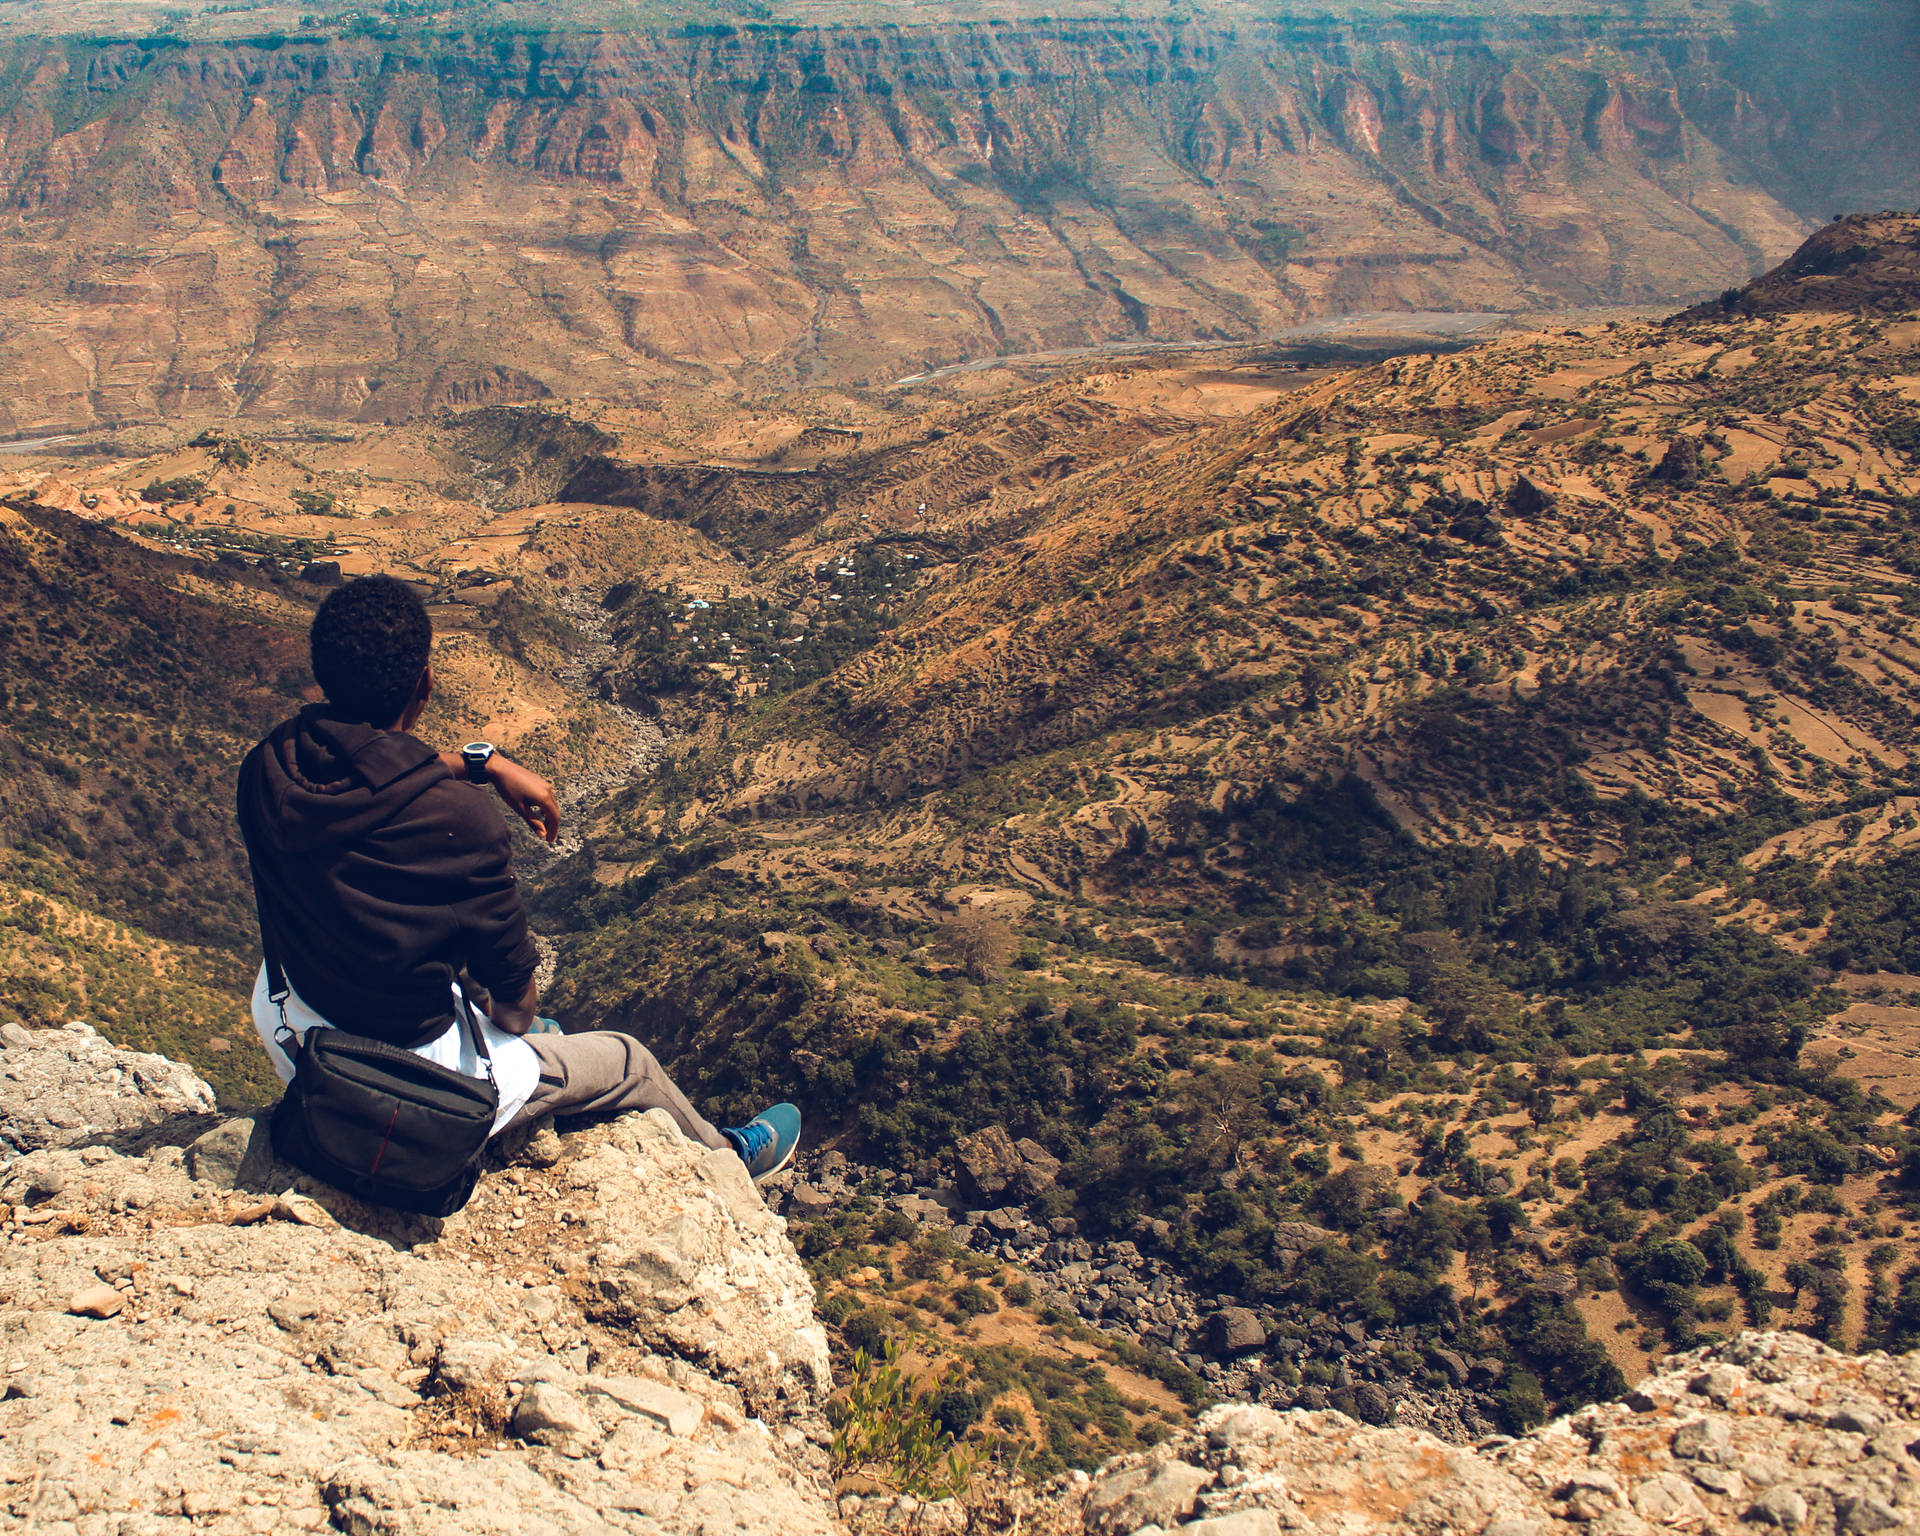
(529, 796)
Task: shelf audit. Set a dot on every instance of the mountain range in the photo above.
(366, 224)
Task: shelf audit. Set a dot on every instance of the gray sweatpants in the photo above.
(602, 1071)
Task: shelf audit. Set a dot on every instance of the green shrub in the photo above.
(888, 1431)
(864, 1332)
(1521, 1400)
(182, 488)
(975, 1300)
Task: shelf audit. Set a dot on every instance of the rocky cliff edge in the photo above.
(617, 1336)
(614, 1335)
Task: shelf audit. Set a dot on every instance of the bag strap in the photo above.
(277, 989)
(479, 1037)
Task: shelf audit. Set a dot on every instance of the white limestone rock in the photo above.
(248, 1350)
(62, 1087)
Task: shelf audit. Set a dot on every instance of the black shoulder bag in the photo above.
(378, 1122)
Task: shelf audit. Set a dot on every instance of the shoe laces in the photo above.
(755, 1138)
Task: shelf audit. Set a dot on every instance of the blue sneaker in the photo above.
(767, 1142)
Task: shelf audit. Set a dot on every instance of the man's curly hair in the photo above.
(370, 642)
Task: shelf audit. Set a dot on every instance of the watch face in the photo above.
(481, 749)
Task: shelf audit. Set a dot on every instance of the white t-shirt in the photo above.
(516, 1070)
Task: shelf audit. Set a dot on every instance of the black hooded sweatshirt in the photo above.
(379, 876)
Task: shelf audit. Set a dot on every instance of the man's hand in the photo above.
(519, 1017)
(530, 797)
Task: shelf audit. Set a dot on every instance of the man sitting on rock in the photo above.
(384, 887)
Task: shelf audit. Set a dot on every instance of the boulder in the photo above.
(1525, 499)
(1681, 464)
(1863, 1512)
(1160, 1494)
(989, 1164)
(1703, 1440)
(995, 1168)
(1293, 1238)
(1242, 1522)
(235, 1154)
(806, 1200)
(1039, 1168)
(1371, 1403)
(1555, 1285)
(1619, 1469)
(1785, 1507)
(1235, 1331)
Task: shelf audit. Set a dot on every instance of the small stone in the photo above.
(632, 1444)
(215, 1157)
(1865, 1512)
(96, 1301)
(674, 1411)
(290, 1312)
(544, 1148)
(1590, 1495)
(548, 1414)
(1779, 1506)
(16, 1035)
(1242, 1522)
(1666, 1498)
(1703, 1440)
(1720, 1384)
(1721, 1480)
(45, 1183)
(303, 1209)
(464, 1364)
(1512, 1527)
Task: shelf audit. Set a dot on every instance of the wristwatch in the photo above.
(476, 755)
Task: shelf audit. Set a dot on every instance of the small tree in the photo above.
(979, 943)
(893, 1434)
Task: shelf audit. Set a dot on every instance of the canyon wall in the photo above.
(368, 229)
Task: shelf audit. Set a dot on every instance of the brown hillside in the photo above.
(1866, 263)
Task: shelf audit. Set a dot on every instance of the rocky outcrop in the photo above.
(614, 1335)
(62, 1087)
(1767, 1430)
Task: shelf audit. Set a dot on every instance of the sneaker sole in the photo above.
(761, 1178)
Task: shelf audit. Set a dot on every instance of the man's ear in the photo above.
(422, 691)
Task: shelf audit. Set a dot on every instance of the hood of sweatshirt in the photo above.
(316, 781)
